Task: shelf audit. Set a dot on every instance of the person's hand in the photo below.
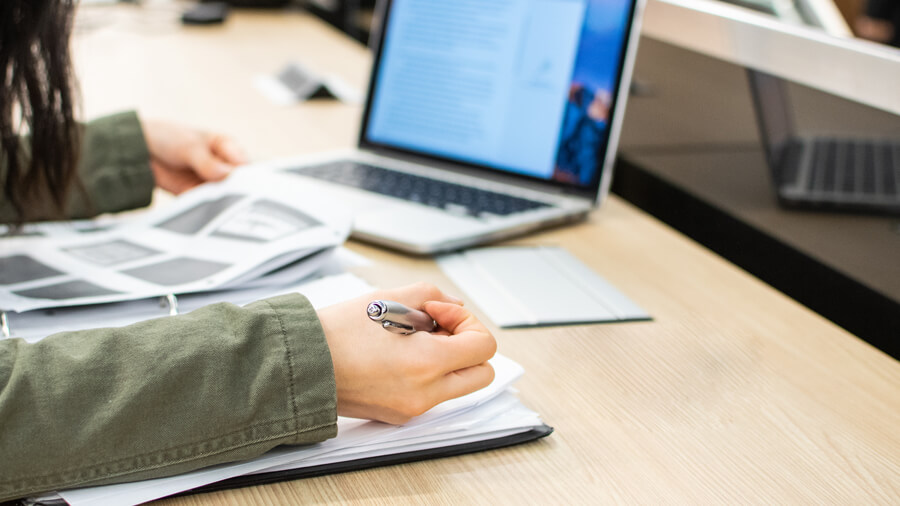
(393, 377)
(182, 157)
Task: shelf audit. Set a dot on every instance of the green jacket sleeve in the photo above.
(113, 172)
(164, 396)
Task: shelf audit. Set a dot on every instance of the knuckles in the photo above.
(489, 377)
(490, 346)
(414, 407)
(427, 291)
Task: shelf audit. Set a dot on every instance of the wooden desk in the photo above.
(733, 394)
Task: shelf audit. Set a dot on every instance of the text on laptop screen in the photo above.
(520, 85)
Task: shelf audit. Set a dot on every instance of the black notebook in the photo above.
(384, 460)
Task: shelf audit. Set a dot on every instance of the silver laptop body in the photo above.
(409, 191)
(845, 173)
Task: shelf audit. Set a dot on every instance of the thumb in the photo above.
(208, 166)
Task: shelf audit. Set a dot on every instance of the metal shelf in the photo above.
(850, 68)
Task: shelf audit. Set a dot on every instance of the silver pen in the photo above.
(399, 319)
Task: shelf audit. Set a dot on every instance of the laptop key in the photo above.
(824, 163)
(891, 169)
(431, 192)
(829, 172)
(868, 167)
(848, 185)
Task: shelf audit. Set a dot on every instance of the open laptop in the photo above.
(484, 119)
(825, 172)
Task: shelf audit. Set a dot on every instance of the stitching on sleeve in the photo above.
(137, 469)
(290, 361)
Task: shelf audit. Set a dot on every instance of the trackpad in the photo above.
(413, 224)
(535, 286)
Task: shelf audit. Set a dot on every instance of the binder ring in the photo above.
(4, 324)
(172, 302)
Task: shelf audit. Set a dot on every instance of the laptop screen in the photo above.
(522, 86)
(773, 113)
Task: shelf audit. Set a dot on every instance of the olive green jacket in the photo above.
(114, 172)
(164, 396)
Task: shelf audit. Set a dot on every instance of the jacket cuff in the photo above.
(114, 168)
(311, 387)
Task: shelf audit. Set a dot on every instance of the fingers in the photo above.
(173, 180)
(185, 157)
(417, 294)
(470, 342)
(207, 165)
(465, 381)
(388, 377)
(215, 157)
(228, 150)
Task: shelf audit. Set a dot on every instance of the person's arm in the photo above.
(114, 169)
(163, 397)
(221, 384)
(123, 158)
(113, 173)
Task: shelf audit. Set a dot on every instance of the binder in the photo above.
(252, 480)
(538, 432)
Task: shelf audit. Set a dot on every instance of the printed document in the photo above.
(246, 231)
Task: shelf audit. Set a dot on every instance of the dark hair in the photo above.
(37, 105)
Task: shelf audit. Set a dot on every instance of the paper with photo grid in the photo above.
(246, 231)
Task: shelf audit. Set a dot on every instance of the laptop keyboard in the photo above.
(862, 168)
(423, 190)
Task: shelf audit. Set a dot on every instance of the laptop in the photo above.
(824, 172)
(484, 119)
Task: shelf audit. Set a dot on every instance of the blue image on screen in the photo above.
(519, 85)
(585, 127)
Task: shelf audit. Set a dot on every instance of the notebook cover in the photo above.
(535, 433)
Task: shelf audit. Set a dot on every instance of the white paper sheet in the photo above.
(330, 285)
(489, 412)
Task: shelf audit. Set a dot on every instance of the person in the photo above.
(880, 22)
(219, 384)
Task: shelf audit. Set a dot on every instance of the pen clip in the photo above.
(397, 328)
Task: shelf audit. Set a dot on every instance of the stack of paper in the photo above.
(244, 233)
(329, 286)
(488, 414)
(237, 241)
